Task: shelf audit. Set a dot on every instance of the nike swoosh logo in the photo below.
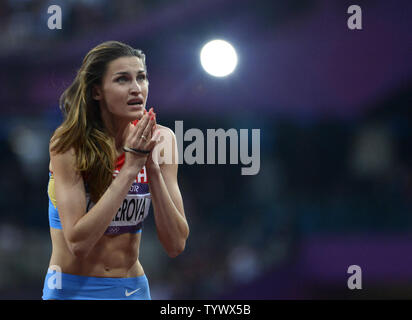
(131, 292)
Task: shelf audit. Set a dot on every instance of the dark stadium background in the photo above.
(334, 109)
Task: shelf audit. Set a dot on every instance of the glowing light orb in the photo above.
(218, 58)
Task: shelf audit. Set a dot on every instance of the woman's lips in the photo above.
(135, 101)
(136, 106)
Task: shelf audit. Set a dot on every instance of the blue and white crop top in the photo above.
(128, 219)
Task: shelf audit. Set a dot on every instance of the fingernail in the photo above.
(145, 111)
(152, 118)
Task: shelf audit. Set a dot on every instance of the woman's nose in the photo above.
(135, 87)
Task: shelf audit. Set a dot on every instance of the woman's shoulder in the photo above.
(54, 148)
(160, 126)
(65, 158)
(165, 130)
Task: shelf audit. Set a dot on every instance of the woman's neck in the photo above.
(117, 129)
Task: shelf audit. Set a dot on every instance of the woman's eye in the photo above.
(121, 79)
(141, 77)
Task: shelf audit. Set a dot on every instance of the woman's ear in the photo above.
(96, 92)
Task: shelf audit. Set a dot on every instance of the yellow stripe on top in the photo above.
(50, 190)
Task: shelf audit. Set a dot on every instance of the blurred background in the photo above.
(333, 106)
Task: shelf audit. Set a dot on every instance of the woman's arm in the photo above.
(172, 227)
(81, 230)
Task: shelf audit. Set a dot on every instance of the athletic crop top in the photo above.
(129, 217)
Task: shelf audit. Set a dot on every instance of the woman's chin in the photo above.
(139, 114)
(136, 114)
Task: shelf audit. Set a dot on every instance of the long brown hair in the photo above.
(82, 127)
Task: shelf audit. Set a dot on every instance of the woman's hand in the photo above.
(140, 137)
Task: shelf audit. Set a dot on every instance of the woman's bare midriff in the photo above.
(114, 256)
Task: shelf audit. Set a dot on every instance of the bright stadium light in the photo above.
(218, 58)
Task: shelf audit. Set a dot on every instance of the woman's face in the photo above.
(124, 89)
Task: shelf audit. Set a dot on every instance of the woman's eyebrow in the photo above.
(127, 72)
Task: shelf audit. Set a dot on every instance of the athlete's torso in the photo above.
(116, 253)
